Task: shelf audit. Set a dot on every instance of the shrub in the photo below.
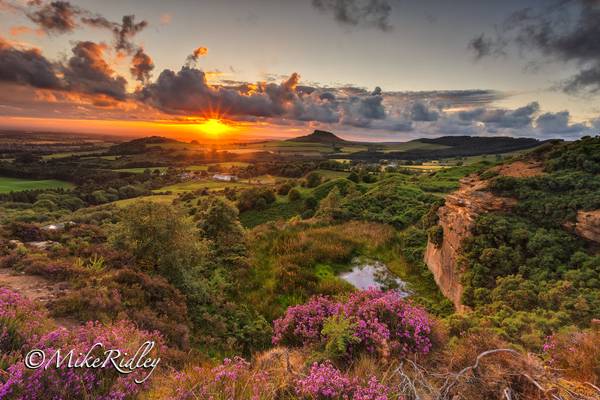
(76, 383)
(382, 322)
(313, 179)
(294, 195)
(435, 234)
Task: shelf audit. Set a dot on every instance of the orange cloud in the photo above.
(165, 19)
(25, 30)
(200, 51)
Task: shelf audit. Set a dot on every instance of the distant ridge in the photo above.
(319, 136)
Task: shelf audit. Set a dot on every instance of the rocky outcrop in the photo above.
(588, 225)
(457, 218)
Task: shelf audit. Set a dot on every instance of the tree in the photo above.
(354, 177)
(313, 179)
(218, 221)
(162, 238)
(294, 195)
(330, 207)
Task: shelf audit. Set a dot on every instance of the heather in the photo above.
(63, 382)
(380, 323)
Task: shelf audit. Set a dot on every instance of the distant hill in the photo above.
(457, 146)
(319, 136)
(137, 146)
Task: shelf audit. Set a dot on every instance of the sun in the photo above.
(215, 127)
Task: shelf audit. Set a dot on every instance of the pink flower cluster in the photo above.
(233, 379)
(303, 323)
(324, 381)
(384, 321)
(21, 322)
(71, 383)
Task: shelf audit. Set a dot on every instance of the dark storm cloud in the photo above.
(55, 17)
(420, 112)
(27, 67)
(373, 13)
(188, 91)
(559, 124)
(87, 72)
(502, 118)
(141, 66)
(566, 30)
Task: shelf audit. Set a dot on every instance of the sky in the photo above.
(380, 70)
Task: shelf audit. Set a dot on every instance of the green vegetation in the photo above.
(15, 184)
(525, 275)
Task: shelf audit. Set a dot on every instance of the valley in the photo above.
(314, 254)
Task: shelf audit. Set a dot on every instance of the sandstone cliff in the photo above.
(588, 225)
(457, 217)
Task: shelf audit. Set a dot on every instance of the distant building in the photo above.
(58, 226)
(225, 177)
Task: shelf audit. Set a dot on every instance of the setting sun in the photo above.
(215, 127)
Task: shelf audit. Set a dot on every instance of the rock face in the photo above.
(588, 225)
(456, 218)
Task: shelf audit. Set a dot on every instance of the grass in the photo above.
(408, 146)
(191, 186)
(328, 174)
(204, 167)
(282, 209)
(69, 154)
(17, 184)
(140, 170)
(163, 199)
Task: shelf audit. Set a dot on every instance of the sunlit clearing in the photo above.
(214, 127)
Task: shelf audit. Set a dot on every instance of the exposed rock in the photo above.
(457, 218)
(520, 169)
(588, 225)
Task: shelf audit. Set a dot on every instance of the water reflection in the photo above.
(367, 274)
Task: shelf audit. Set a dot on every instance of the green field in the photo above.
(140, 170)
(69, 154)
(191, 186)
(204, 167)
(160, 198)
(16, 184)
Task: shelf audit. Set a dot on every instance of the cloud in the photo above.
(87, 72)
(165, 19)
(559, 124)
(521, 117)
(25, 30)
(126, 31)
(141, 66)
(55, 17)
(27, 67)
(566, 31)
(123, 32)
(420, 112)
(369, 13)
(196, 54)
(482, 46)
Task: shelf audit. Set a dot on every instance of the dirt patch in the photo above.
(35, 288)
(521, 169)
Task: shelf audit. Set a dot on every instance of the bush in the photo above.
(313, 179)
(435, 235)
(294, 195)
(379, 322)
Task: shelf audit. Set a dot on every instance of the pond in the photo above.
(368, 273)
